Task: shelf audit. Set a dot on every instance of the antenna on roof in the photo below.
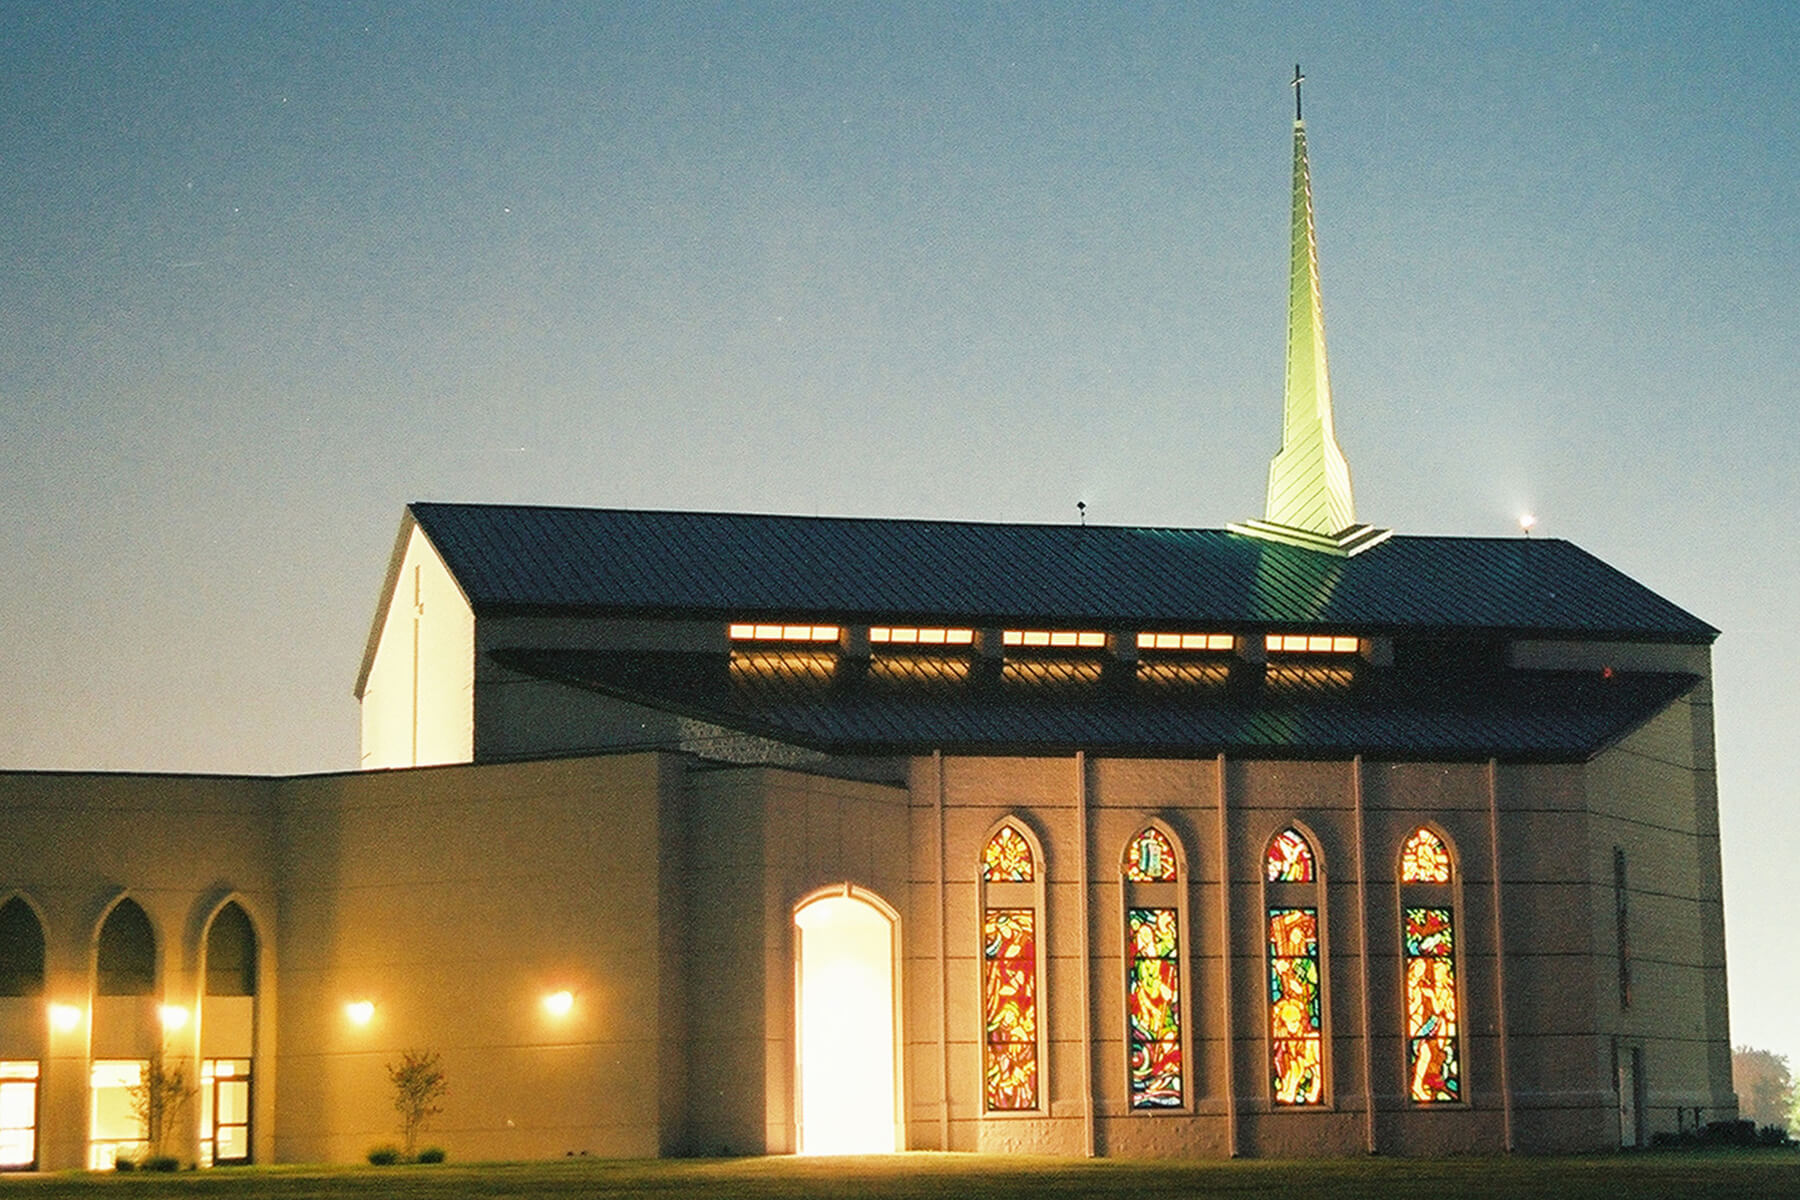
(1081, 507)
(1298, 80)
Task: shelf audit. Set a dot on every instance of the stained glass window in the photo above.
(1424, 859)
(1290, 859)
(1150, 859)
(1431, 1007)
(1007, 858)
(1434, 1069)
(1009, 968)
(1295, 1017)
(1153, 1005)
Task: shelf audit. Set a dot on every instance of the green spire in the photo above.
(1309, 501)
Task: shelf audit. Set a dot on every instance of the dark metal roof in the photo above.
(541, 559)
(913, 704)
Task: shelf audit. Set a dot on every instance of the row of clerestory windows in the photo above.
(890, 637)
(1153, 953)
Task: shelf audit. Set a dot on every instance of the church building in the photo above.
(685, 833)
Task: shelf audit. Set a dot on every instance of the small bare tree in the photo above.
(419, 1084)
(159, 1099)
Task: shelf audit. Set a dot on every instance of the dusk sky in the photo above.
(271, 271)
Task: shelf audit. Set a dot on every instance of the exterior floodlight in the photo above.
(64, 1017)
(1527, 521)
(558, 1004)
(360, 1012)
(173, 1016)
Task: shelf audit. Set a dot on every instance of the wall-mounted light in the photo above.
(1527, 522)
(558, 1004)
(360, 1012)
(64, 1017)
(173, 1017)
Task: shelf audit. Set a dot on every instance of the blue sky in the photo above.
(273, 271)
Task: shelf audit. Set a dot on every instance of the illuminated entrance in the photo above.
(844, 1019)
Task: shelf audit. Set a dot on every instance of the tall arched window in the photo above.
(21, 950)
(21, 976)
(1012, 891)
(124, 982)
(125, 959)
(231, 954)
(227, 1047)
(1296, 984)
(1153, 1029)
(1428, 934)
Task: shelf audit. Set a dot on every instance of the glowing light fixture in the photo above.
(174, 1017)
(558, 1004)
(64, 1017)
(1527, 522)
(360, 1012)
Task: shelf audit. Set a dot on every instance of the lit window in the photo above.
(116, 1129)
(746, 632)
(1009, 976)
(1289, 859)
(224, 1111)
(1185, 641)
(1009, 972)
(1153, 972)
(1054, 638)
(1296, 1004)
(1295, 1019)
(18, 1115)
(1424, 859)
(1151, 859)
(896, 635)
(1433, 1068)
(1007, 858)
(1297, 643)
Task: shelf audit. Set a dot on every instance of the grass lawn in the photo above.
(1737, 1175)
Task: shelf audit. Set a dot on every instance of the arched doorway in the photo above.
(845, 1077)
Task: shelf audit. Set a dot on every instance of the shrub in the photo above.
(124, 1163)
(161, 1162)
(432, 1154)
(384, 1156)
(419, 1084)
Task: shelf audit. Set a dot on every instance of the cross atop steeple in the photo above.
(1309, 501)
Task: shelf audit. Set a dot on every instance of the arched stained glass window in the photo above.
(1009, 972)
(1151, 859)
(1296, 986)
(1434, 1069)
(1290, 859)
(1007, 858)
(1424, 859)
(1153, 972)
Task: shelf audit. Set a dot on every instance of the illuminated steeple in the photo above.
(1309, 502)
